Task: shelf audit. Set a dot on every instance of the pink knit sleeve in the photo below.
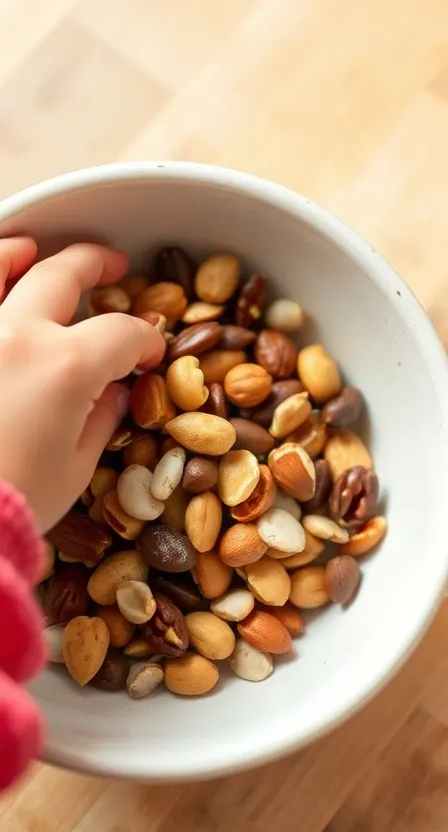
(20, 542)
(22, 653)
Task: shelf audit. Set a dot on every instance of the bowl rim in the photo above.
(285, 200)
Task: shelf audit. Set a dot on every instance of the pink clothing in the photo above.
(22, 652)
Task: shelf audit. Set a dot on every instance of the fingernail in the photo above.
(122, 401)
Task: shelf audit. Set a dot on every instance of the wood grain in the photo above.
(347, 102)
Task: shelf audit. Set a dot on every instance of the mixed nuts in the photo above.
(237, 493)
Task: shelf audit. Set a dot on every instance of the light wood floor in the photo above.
(346, 101)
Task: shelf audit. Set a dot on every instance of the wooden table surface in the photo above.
(347, 102)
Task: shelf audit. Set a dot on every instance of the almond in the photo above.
(149, 402)
(238, 475)
(293, 470)
(84, 646)
(202, 433)
(241, 544)
(265, 632)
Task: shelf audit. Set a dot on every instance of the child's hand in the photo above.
(59, 405)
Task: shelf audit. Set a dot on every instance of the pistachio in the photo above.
(203, 520)
(210, 635)
(281, 531)
(238, 475)
(168, 473)
(249, 663)
(135, 493)
(234, 605)
(202, 433)
(135, 601)
(143, 678)
(185, 383)
(191, 675)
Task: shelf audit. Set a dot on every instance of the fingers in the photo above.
(118, 343)
(52, 289)
(99, 427)
(22, 654)
(21, 731)
(17, 255)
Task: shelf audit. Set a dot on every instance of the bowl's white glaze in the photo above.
(372, 324)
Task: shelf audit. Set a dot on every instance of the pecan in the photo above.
(354, 497)
(216, 403)
(66, 596)
(344, 410)
(251, 302)
(276, 352)
(166, 632)
(323, 487)
(80, 537)
(174, 265)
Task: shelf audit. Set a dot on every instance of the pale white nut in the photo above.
(168, 473)
(285, 315)
(250, 663)
(234, 605)
(287, 503)
(135, 495)
(135, 601)
(281, 530)
(325, 528)
(143, 678)
(53, 640)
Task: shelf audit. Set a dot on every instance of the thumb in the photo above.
(101, 422)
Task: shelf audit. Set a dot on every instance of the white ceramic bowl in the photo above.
(372, 324)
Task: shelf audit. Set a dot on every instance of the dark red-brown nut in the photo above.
(276, 352)
(344, 410)
(174, 265)
(194, 340)
(251, 437)
(166, 549)
(324, 484)
(166, 632)
(180, 591)
(281, 390)
(354, 497)
(251, 302)
(80, 537)
(342, 577)
(216, 403)
(113, 672)
(66, 596)
(235, 337)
